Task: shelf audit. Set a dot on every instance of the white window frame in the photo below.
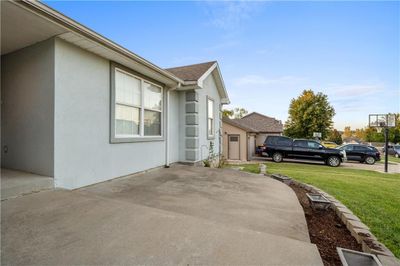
(114, 138)
(212, 136)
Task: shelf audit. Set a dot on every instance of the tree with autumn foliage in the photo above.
(309, 113)
(335, 136)
(347, 133)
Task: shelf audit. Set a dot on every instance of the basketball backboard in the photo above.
(382, 120)
(317, 134)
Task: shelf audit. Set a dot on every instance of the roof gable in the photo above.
(191, 72)
(194, 76)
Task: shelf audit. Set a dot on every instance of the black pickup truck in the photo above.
(279, 147)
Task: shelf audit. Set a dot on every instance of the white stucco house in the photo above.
(78, 107)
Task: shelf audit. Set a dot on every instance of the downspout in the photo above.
(167, 126)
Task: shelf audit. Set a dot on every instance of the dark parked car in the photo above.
(393, 150)
(279, 147)
(361, 153)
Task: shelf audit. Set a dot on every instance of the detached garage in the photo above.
(241, 137)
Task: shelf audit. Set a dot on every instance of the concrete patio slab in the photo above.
(16, 183)
(114, 222)
(227, 196)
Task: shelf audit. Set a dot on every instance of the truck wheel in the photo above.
(333, 161)
(370, 160)
(277, 157)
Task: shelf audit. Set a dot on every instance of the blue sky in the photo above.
(268, 51)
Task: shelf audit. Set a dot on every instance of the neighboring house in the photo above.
(82, 109)
(242, 136)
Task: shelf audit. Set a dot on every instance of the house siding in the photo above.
(232, 130)
(27, 109)
(209, 90)
(83, 152)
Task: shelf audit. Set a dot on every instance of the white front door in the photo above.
(234, 147)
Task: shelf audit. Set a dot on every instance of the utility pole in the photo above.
(386, 148)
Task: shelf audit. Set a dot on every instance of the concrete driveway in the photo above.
(181, 215)
(393, 168)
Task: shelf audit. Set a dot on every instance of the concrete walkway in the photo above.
(393, 168)
(180, 215)
(16, 183)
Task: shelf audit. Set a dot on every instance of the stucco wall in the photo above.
(175, 126)
(27, 120)
(227, 130)
(210, 90)
(83, 153)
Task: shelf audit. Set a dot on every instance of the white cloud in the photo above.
(230, 14)
(356, 90)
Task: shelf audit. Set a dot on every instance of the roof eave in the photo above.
(216, 72)
(72, 25)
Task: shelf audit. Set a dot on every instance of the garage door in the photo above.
(234, 147)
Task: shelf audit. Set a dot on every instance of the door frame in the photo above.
(229, 136)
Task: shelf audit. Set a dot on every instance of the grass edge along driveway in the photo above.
(374, 197)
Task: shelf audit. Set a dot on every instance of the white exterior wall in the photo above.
(210, 90)
(27, 109)
(83, 153)
(182, 117)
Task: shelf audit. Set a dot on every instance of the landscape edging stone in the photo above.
(370, 244)
(358, 230)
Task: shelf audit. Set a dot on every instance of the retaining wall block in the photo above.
(340, 210)
(375, 247)
(345, 217)
(359, 230)
(355, 224)
(360, 234)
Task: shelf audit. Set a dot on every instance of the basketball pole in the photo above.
(386, 148)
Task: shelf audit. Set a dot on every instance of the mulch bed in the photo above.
(326, 230)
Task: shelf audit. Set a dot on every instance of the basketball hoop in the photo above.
(380, 122)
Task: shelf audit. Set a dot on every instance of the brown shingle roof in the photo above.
(234, 123)
(260, 123)
(191, 72)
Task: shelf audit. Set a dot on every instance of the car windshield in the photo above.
(341, 147)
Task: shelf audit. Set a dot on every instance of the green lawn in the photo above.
(391, 159)
(374, 197)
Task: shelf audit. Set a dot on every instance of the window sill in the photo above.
(135, 139)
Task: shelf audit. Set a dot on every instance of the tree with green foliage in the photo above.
(309, 113)
(335, 136)
(227, 113)
(235, 113)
